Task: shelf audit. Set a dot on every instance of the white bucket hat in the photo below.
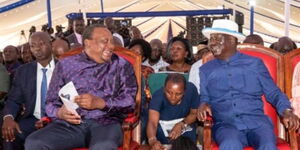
(224, 26)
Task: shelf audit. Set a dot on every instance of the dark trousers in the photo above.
(64, 136)
(230, 138)
(27, 126)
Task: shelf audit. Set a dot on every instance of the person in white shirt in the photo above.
(26, 98)
(76, 37)
(204, 55)
(155, 61)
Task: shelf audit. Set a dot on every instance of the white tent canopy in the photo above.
(269, 16)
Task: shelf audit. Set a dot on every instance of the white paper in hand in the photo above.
(67, 94)
(167, 126)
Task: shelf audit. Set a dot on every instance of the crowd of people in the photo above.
(217, 80)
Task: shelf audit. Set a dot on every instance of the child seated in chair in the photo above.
(172, 112)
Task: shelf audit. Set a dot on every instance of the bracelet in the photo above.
(151, 139)
(184, 124)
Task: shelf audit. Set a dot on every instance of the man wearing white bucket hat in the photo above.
(231, 87)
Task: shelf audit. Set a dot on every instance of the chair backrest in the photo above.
(157, 80)
(136, 61)
(290, 60)
(274, 63)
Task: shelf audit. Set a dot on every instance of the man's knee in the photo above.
(269, 145)
(230, 144)
(104, 145)
(32, 143)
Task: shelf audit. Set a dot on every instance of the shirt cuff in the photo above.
(53, 113)
(108, 105)
(281, 111)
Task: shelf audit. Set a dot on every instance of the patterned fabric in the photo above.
(234, 88)
(112, 81)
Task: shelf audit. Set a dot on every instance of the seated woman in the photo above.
(174, 104)
(143, 48)
(179, 50)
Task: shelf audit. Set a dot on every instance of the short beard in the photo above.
(217, 50)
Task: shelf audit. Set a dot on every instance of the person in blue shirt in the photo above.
(177, 99)
(231, 87)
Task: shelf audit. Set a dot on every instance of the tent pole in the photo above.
(49, 13)
(287, 17)
(102, 8)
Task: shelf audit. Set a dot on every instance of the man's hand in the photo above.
(89, 101)
(290, 120)
(176, 131)
(202, 111)
(156, 145)
(8, 129)
(68, 116)
(39, 124)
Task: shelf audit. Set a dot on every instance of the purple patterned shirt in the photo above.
(112, 81)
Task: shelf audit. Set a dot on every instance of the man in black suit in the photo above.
(76, 37)
(25, 100)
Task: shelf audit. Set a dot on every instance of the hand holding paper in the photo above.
(67, 94)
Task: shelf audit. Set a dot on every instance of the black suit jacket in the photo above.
(72, 39)
(23, 91)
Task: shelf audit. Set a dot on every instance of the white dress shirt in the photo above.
(194, 75)
(78, 37)
(39, 77)
(159, 64)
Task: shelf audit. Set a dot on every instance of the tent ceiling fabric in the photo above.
(269, 16)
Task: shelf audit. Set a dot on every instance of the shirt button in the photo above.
(231, 87)
(237, 115)
(234, 104)
(229, 74)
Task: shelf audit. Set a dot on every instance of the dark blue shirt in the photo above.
(234, 88)
(168, 111)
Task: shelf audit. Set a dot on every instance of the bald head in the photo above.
(156, 41)
(42, 36)
(10, 54)
(284, 45)
(254, 39)
(156, 52)
(60, 46)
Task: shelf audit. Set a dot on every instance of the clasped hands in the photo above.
(174, 134)
(85, 101)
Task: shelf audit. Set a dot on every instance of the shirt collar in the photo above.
(231, 58)
(51, 65)
(85, 57)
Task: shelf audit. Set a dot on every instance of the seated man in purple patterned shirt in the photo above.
(106, 85)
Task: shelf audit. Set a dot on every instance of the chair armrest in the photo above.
(292, 139)
(130, 122)
(207, 133)
(46, 120)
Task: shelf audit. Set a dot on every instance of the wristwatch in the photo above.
(184, 124)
